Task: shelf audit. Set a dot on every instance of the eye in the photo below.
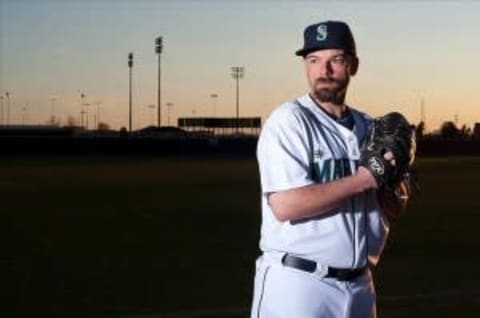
(339, 60)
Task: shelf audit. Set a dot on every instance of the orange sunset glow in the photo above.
(51, 52)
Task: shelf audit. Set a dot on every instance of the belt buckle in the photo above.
(321, 270)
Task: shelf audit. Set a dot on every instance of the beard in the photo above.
(334, 94)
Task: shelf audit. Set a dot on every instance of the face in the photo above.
(328, 72)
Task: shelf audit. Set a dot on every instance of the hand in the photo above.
(367, 178)
(368, 175)
(389, 150)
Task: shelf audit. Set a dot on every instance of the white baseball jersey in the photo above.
(300, 144)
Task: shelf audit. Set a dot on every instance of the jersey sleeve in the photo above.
(283, 152)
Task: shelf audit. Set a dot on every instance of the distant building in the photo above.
(222, 125)
(476, 131)
(165, 131)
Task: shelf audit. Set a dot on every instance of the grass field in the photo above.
(127, 237)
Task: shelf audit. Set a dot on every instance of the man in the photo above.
(322, 227)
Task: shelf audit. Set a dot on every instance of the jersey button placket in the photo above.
(352, 147)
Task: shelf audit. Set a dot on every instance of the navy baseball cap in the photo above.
(328, 35)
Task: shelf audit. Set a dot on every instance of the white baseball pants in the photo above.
(285, 292)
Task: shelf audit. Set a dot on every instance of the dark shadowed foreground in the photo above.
(177, 237)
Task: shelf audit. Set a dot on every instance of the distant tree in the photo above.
(71, 121)
(103, 126)
(449, 130)
(465, 131)
(123, 131)
(53, 121)
(420, 130)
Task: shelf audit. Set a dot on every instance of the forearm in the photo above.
(318, 199)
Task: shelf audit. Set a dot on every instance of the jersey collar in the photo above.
(347, 120)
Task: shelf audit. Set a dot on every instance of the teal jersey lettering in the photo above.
(322, 170)
(331, 169)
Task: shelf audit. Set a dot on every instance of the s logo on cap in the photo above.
(322, 32)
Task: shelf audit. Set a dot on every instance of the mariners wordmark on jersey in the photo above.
(328, 169)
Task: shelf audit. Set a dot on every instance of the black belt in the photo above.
(342, 274)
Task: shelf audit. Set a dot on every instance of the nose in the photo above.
(325, 69)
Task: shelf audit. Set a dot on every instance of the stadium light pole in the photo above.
(7, 94)
(24, 111)
(152, 113)
(214, 102)
(52, 110)
(130, 66)
(82, 111)
(86, 115)
(237, 74)
(2, 119)
(97, 114)
(169, 105)
(158, 50)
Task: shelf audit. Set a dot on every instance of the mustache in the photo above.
(328, 80)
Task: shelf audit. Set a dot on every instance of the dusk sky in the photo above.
(409, 51)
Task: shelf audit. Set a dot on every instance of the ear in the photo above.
(354, 66)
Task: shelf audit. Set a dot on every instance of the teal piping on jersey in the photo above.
(308, 112)
(346, 120)
(360, 132)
